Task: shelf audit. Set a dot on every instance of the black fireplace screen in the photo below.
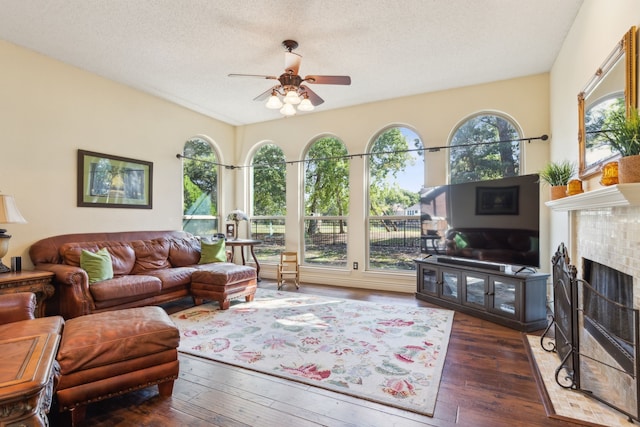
(594, 331)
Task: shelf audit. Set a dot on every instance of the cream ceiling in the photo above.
(183, 50)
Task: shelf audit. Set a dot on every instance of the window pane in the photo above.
(326, 186)
(394, 243)
(269, 202)
(325, 242)
(396, 175)
(271, 232)
(476, 160)
(200, 188)
(269, 182)
(326, 190)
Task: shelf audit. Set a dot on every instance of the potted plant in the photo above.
(557, 176)
(623, 134)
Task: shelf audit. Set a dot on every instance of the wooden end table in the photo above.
(38, 282)
(26, 379)
(242, 243)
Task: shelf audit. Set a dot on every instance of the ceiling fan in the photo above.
(292, 89)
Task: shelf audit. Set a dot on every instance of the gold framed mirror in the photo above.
(613, 86)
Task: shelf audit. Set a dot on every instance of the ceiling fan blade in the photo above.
(313, 97)
(328, 80)
(254, 75)
(292, 62)
(267, 93)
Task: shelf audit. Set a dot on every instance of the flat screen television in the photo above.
(492, 222)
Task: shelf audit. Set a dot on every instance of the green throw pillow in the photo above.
(460, 242)
(212, 252)
(97, 265)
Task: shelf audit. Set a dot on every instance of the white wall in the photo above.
(599, 26)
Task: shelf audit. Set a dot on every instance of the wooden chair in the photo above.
(288, 268)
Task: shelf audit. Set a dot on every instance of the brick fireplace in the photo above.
(604, 228)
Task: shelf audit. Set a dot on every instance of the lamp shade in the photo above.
(274, 103)
(292, 98)
(306, 105)
(288, 110)
(237, 215)
(9, 213)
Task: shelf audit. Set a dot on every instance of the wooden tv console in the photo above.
(516, 300)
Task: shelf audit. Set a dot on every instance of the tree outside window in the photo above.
(200, 188)
(474, 159)
(269, 202)
(326, 203)
(396, 175)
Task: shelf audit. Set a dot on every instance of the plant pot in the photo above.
(629, 169)
(558, 192)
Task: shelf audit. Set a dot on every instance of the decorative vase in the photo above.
(574, 187)
(558, 191)
(609, 174)
(629, 169)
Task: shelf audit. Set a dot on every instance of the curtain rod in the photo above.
(351, 156)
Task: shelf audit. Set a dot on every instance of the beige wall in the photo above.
(49, 110)
(595, 32)
(433, 116)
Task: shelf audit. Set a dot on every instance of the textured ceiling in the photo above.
(183, 50)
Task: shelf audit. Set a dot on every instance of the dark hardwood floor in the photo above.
(487, 381)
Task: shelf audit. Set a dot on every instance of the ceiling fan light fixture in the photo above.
(288, 110)
(274, 102)
(292, 98)
(306, 105)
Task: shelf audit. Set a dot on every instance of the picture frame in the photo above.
(231, 231)
(497, 200)
(108, 181)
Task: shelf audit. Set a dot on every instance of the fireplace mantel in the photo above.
(605, 197)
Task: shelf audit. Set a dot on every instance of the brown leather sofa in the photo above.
(494, 245)
(150, 267)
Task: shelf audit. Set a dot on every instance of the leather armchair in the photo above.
(16, 307)
(17, 317)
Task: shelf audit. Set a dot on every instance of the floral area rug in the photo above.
(387, 353)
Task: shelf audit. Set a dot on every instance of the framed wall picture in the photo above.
(231, 231)
(108, 181)
(497, 200)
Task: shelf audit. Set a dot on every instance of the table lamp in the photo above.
(9, 214)
(237, 216)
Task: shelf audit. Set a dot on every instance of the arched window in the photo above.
(269, 204)
(478, 156)
(396, 175)
(200, 188)
(326, 203)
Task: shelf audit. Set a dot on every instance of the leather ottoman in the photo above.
(223, 282)
(107, 354)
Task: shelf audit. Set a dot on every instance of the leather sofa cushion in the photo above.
(150, 255)
(125, 286)
(105, 338)
(122, 254)
(184, 252)
(223, 273)
(173, 277)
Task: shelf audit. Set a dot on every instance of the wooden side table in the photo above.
(242, 243)
(38, 282)
(26, 379)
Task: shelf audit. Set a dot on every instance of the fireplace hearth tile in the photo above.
(568, 404)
